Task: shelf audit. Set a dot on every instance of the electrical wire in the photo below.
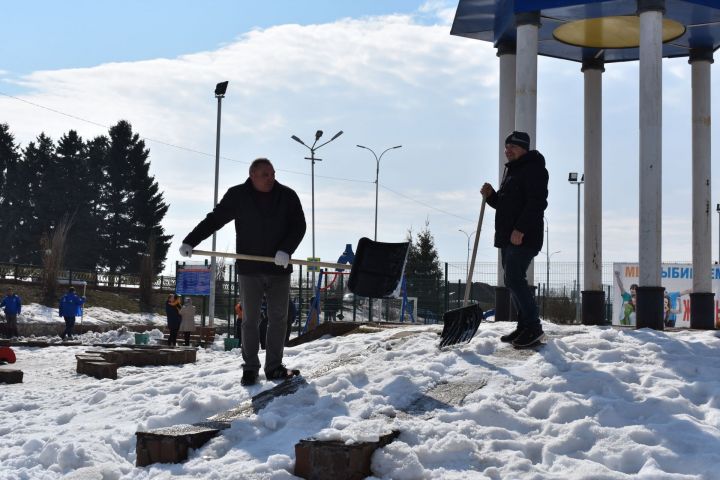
(180, 147)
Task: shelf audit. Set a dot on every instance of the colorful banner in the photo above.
(678, 281)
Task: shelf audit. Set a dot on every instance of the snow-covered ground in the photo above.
(593, 403)
(35, 313)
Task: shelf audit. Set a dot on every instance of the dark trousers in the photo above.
(187, 339)
(12, 330)
(276, 287)
(172, 339)
(69, 325)
(516, 260)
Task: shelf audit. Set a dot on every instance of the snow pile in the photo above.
(594, 402)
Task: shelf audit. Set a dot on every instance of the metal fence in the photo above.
(427, 299)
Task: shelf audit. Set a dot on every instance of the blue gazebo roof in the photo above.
(494, 21)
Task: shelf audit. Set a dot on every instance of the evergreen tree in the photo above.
(9, 164)
(423, 272)
(80, 196)
(132, 206)
(44, 190)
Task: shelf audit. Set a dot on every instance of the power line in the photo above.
(180, 147)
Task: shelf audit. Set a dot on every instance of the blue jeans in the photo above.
(515, 261)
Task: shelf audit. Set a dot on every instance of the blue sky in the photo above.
(385, 72)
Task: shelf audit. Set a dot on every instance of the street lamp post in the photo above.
(313, 159)
(467, 258)
(575, 180)
(377, 174)
(220, 90)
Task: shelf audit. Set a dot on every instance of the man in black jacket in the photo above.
(269, 221)
(520, 204)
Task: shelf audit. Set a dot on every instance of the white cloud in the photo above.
(384, 81)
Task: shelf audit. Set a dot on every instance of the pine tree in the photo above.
(423, 272)
(9, 161)
(78, 203)
(132, 206)
(41, 209)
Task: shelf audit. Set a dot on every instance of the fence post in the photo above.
(447, 289)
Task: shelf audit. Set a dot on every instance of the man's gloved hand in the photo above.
(186, 250)
(282, 258)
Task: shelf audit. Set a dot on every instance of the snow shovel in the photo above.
(376, 271)
(460, 324)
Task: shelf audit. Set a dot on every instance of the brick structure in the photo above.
(332, 460)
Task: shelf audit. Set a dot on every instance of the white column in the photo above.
(701, 192)
(592, 259)
(650, 253)
(526, 77)
(526, 85)
(506, 120)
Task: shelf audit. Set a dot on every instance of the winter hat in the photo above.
(521, 139)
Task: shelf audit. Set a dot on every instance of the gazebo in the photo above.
(595, 32)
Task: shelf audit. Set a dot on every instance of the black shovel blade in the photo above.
(378, 268)
(460, 325)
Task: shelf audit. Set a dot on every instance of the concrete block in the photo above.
(174, 356)
(171, 444)
(331, 460)
(10, 376)
(101, 369)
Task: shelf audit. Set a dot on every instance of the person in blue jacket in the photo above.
(70, 307)
(13, 306)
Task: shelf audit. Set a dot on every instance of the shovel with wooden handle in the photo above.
(376, 271)
(460, 325)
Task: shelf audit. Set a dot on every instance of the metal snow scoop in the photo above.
(376, 271)
(460, 325)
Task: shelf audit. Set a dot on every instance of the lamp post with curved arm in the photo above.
(313, 159)
(377, 174)
(467, 259)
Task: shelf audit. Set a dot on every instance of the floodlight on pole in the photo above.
(220, 90)
(313, 159)
(575, 180)
(377, 174)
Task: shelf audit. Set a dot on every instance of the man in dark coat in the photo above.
(270, 222)
(520, 204)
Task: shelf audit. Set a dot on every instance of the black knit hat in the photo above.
(521, 139)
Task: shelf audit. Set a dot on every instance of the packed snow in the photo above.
(592, 403)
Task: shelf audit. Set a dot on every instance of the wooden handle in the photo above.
(257, 258)
(468, 282)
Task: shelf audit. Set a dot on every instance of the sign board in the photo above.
(193, 280)
(313, 268)
(677, 278)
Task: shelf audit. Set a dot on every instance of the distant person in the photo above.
(519, 205)
(269, 221)
(292, 313)
(70, 307)
(238, 321)
(172, 311)
(187, 320)
(12, 305)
